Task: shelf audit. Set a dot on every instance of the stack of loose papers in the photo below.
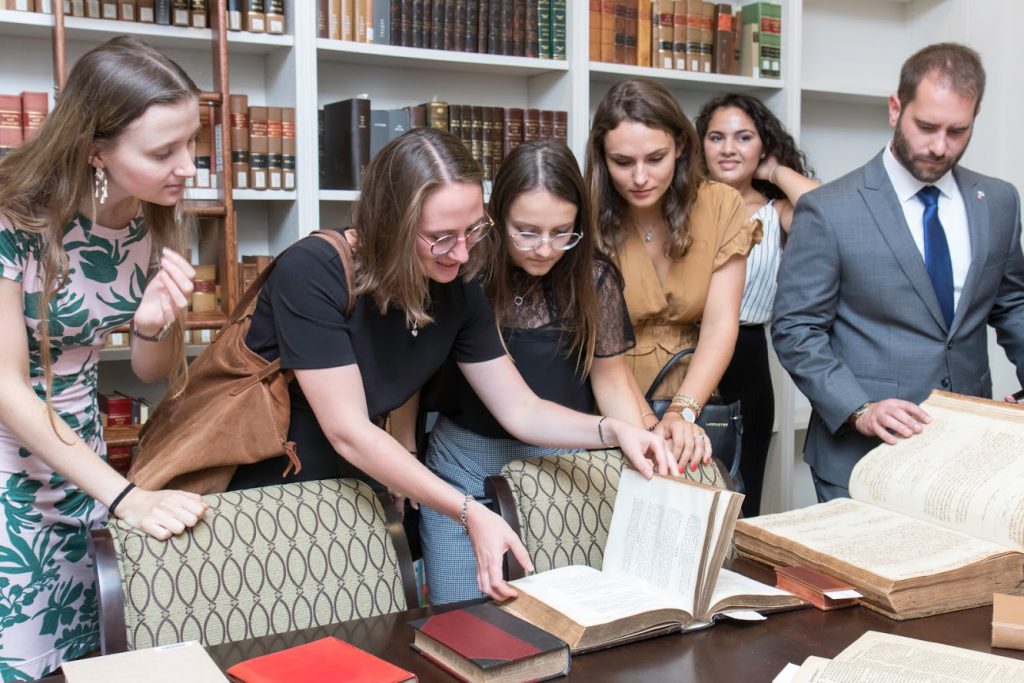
(883, 657)
(164, 664)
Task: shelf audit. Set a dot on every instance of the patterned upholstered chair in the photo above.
(262, 561)
(561, 506)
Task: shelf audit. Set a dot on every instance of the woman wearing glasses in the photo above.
(562, 318)
(420, 213)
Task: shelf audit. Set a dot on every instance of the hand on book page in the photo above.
(492, 538)
(638, 445)
(892, 419)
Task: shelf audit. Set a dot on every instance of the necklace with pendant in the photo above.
(415, 330)
(520, 299)
(648, 233)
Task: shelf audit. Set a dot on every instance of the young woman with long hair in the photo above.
(560, 313)
(420, 213)
(680, 242)
(746, 147)
(89, 241)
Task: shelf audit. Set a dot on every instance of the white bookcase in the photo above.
(840, 62)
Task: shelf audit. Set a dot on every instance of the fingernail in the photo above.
(693, 467)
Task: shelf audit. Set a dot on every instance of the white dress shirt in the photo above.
(952, 215)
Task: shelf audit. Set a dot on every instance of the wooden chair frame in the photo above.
(110, 590)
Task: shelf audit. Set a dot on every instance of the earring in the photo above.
(763, 155)
(99, 185)
(178, 211)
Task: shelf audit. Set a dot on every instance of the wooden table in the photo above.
(729, 651)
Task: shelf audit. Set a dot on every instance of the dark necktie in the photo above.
(936, 252)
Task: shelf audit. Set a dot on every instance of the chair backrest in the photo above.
(561, 506)
(260, 562)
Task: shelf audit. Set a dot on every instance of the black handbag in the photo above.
(722, 422)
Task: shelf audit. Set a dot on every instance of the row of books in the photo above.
(122, 416)
(351, 133)
(20, 118)
(257, 16)
(523, 28)
(688, 35)
(262, 146)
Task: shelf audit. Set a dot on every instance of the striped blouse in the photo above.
(762, 269)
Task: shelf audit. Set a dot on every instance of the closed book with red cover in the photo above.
(327, 659)
(483, 642)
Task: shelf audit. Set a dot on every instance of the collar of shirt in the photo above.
(907, 186)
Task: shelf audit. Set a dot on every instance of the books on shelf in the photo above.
(257, 16)
(262, 147)
(934, 523)
(662, 570)
(20, 118)
(520, 28)
(885, 657)
(687, 35)
(353, 133)
(484, 643)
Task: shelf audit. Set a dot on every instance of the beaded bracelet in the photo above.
(120, 497)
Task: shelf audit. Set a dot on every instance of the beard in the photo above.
(903, 153)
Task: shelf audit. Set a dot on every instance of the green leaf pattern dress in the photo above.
(48, 604)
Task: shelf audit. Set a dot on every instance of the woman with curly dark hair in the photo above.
(680, 242)
(747, 147)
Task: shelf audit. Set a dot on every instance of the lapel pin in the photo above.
(981, 195)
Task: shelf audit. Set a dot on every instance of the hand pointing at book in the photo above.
(491, 538)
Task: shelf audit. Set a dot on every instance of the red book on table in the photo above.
(326, 660)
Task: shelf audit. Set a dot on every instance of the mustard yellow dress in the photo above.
(666, 316)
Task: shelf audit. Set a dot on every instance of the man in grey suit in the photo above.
(892, 273)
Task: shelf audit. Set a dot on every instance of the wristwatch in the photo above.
(863, 408)
(689, 409)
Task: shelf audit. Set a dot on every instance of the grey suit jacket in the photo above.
(856, 318)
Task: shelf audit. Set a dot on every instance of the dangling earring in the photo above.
(99, 185)
(178, 211)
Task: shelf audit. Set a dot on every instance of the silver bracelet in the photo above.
(600, 432)
(771, 173)
(462, 515)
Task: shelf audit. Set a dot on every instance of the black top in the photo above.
(536, 342)
(300, 317)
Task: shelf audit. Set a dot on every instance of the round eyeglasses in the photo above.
(528, 241)
(444, 244)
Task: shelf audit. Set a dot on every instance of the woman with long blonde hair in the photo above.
(89, 242)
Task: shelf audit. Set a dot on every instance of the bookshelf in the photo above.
(840, 62)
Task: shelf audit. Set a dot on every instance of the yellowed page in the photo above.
(851, 531)
(965, 471)
(591, 597)
(659, 533)
(885, 658)
(731, 585)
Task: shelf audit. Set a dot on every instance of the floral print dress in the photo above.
(48, 603)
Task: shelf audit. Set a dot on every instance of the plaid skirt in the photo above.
(463, 459)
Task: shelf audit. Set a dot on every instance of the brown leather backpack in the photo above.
(234, 411)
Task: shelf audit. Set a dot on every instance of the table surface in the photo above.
(728, 651)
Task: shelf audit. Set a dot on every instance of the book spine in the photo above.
(397, 27)
(198, 13)
(494, 24)
(455, 120)
(162, 12)
(240, 140)
(707, 36)
(531, 125)
(234, 14)
(547, 124)
(472, 19)
(274, 140)
(437, 115)
(679, 34)
(486, 133)
(693, 22)
(450, 28)
(204, 293)
(181, 11)
(519, 27)
(513, 129)
(544, 29)
(255, 16)
(276, 16)
(360, 23)
(108, 9)
(608, 31)
(382, 22)
(437, 27)
(458, 28)
(406, 14)
(259, 162)
(560, 129)
(595, 30)
(619, 37)
(347, 143)
(33, 111)
(92, 9)
(288, 148)
(126, 10)
(482, 25)
(203, 149)
(10, 123)
(44, 6)
(323, 13)
(321, 148)
(631, 32)
(417, 23)
(476, 148)
(532, 28)
(643, 33)
(346, 19)
(724, 48)
(497, 138)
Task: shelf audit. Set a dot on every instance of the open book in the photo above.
(884, 657)
(935, 523)
(662, 570)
